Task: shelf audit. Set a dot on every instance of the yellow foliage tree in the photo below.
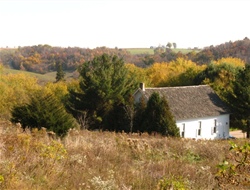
(15, 89)
(179, 72)
(236, 62)
(157, 74)
(59, 89)
(183, 72)
(138, 72)
(221, 74)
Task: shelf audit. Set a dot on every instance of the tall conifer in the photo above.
(105, 83)
(158, 117)
(60, 74)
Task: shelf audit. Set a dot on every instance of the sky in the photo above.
(123, 23)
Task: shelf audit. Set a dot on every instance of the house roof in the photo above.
(189, 102)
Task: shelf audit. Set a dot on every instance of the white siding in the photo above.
(207, 127)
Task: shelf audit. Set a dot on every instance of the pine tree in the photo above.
(60, 73)
(139, 115)
(105, 83)
(158, 117)
(240, 99)
(44, 110)
(152, 117)
(168, 120)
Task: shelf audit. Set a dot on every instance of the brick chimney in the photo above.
(142, 86)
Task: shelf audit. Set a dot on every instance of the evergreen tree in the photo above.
(240, 99)
(117, 119)
(168, 120)
(60, 74)
(152, 117)
(105, 83)
(44, 110)
(158, 117)
(139, 115)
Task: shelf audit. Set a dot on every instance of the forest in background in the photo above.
(44, 58)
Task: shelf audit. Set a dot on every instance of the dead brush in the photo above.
(97, 160)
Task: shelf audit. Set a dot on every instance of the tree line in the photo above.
(101, 98)
(45, 58)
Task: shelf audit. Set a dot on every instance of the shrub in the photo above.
(234, 173)
(175, 183)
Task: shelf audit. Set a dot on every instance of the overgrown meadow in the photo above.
(105, 160)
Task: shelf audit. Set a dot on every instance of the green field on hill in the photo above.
(150, 51)
(43, 78)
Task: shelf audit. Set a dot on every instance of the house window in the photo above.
(215, 129)
(199, 129)
(183, 130)
(215, 126)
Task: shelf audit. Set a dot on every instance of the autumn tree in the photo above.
(182, 72)
(220, 75)
(105, 83)
(138, 72)
(58, 89)
(157, 74)
(179, 72)
(15, 89)
(204, 57)
(148, 59)
(170, 55)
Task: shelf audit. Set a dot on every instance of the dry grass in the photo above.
(104, 160)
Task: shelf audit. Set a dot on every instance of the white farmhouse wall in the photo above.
(207, 127)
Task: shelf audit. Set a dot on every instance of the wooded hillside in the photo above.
(239, 49)
(44, 58)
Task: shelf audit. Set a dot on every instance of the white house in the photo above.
(198, 110)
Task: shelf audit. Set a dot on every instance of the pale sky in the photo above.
(123, 23)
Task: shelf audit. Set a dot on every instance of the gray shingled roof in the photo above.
(188, 102)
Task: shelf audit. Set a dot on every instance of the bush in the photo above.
(173, 182)
(235, 171)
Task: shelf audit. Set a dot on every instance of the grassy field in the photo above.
(43, 78)
(135, 51)
(106, 160)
